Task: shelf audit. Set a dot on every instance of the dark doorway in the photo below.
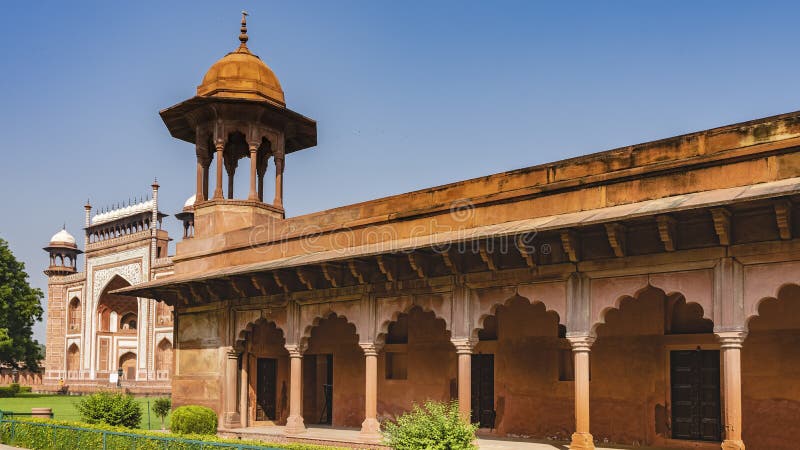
(695, 385)
(266, 379)
(327, 390)
(483, 390)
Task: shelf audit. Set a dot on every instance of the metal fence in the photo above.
(54, 436)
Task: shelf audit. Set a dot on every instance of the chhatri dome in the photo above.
(241, 74)
(63, 239)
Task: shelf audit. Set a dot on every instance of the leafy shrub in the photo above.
(110, 408)
(161, 407)
(6, 392)
(434, 426)
(193, 420)
(14, 387)
(39, 435)
(26, 389)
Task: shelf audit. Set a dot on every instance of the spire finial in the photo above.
(243, 36)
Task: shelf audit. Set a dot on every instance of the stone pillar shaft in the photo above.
(464, 351)
(253, 171)
(370, 428)
(244, 388)
(731, 346)
(218, 190)
(278, 181)
(295, 424)
(231, 416)
(582, 438)
(200, 195)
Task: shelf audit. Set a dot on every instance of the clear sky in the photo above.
(407, 95)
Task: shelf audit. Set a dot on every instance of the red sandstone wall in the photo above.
(771, 375)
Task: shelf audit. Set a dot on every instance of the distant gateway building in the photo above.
(90, 333)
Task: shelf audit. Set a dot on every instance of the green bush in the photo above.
(161, 407)
(14, 387)
(193, 420)
(434, 426)
(37, 434)
(110, 408)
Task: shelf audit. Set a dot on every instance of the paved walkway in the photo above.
(334, 436)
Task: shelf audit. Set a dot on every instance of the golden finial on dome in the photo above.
(243, 36)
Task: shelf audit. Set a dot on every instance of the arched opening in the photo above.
(73, 362)
(267, 363)
(771, 372)
(655, 372)
(333, 375)
(127, 362)
(417, 363)
(164, 360)
(527, 387)
(112, 309)
(74, 314)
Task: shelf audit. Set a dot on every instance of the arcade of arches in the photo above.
(656, 375)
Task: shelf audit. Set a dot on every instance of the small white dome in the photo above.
(62, 237)
(190, 201)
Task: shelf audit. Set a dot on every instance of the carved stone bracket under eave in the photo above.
(617, 238)
(667, 230)
(486, 256)
(569, 240)
(358, 270)
(331, 274)
(722, 225)
(386, 266)
(416, 263)
(783, 214)
(527, 252)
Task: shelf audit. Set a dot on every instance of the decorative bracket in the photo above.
(486, 256)
(569, 240)
(330, 272)
(783, 214)
(356, 269)
(527, 253)
(667, 230)
(722, 225)
(617, 238)
(386, 267)
(416, 265)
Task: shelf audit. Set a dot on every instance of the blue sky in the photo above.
(407, 95)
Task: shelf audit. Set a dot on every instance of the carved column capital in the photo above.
(370, 348)
(581, 342)
(731, 339)
(464, 346)
(295, 350)
(233, 353)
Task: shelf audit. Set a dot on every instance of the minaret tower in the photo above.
(239, 112)
(63, 254)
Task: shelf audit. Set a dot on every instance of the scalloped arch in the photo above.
(479, 324)
(750, 315)
(383, 327)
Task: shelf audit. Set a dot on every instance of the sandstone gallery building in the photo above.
(646, 295)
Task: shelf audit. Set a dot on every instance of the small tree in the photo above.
(110, 408)
(161, 407)
(434, 426)
(20, 308)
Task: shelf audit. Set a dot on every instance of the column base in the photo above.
(294, 425)
(581, 441)
(231, 420)
(371, 431)
(729, 444)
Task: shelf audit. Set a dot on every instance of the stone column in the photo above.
(244, 387)
(371, 428)
(278, 202)
(253, 171)
(231, 417)
(294, 423)
(200, 195)
(464, 351)
(218, 190)
(731, 345)
(581, 346)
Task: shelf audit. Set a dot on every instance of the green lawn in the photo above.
(64, 407)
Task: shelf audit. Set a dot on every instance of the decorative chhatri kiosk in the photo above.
(647, 295)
